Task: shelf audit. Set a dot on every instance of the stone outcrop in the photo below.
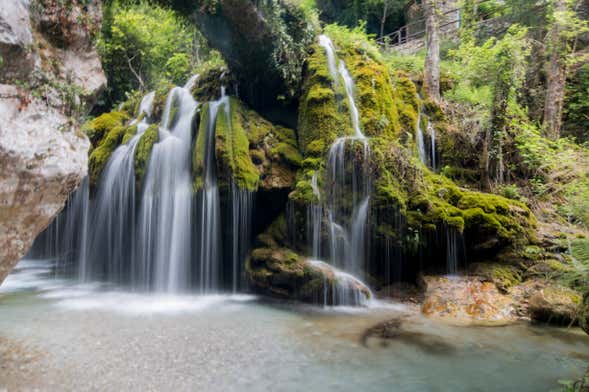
(16, 40)
(51, 74)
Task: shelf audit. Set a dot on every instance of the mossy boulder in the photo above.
(209, 84)
(100, 155)
(282, 273)
(555, 304)
(98, 128)
(278, 271)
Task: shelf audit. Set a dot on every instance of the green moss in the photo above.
(503, 276)
(100, 155)
(289, 154)
(232, 147)
(433, 202)
(319, 118)
(143, 152)
(98, 128)
(129, 133)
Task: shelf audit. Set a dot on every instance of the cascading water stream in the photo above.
(314, 220)
(164, 242)
(420, 139)
(209, 231)
(348, 196)
(113, 222)
(427, 157)
(241, 209)
(432, 132)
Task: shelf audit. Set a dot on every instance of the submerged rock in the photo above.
(467, 300)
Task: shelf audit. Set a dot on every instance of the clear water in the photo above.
(82, 338)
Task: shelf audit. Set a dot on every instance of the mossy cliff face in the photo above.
(249, 150)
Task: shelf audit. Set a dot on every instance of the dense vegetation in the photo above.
(145, 46)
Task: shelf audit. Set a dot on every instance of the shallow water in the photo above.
(90, 337)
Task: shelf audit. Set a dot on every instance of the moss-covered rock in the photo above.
(250, 150)
(276, 270)
(98, 128)
(232, 147)
(209, 84)
(555, 304)
(100, 155)
(143, 152)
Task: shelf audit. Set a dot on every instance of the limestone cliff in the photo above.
(50, 74)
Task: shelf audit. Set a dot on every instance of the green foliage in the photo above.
(144, 45)
(369, 13)
(495, 60)
(576, 108)
(556, 170)
(293, 30)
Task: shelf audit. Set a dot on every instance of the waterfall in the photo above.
(421, 139)
(455, 251)
(77, 227)
(209, 228)
(340, 71)
(165, 214)
(241, 210)
(113, 236)
(314, 220)
(432, 132)
(348, 204)
(348, 195)
(426, 156)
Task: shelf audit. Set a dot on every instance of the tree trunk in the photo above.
(496, 135)
(383, 20)
(432, 57)
(556, 82)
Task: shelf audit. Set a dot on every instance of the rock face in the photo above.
(46, 46)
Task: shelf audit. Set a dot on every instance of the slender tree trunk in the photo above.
(432, 57)
(383, 20)
(496, 135)
(556, 82)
